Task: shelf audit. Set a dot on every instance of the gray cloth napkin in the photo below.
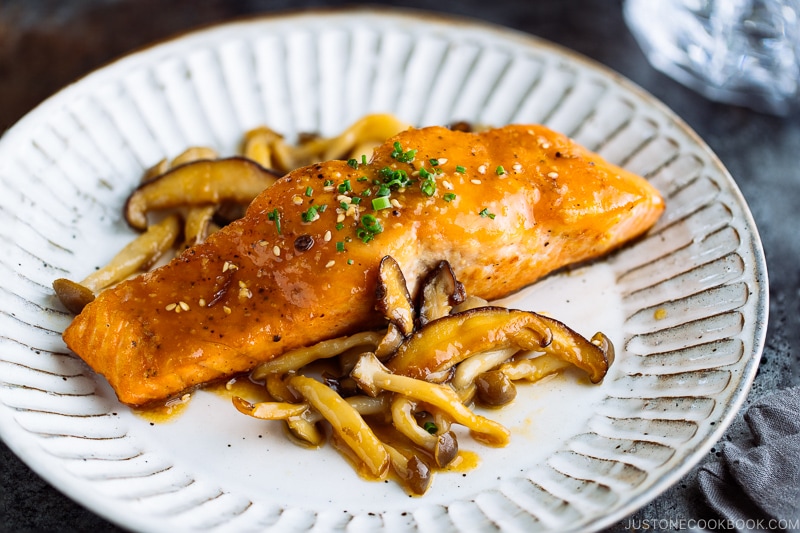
(756, 485)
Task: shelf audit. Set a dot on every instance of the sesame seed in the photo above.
(276, 250)
(351, 211)
(226, 309)
(447, 185)
(201, 302)
(330, 263)
(442, 160)
(229, 266)
(184, 305)
(297, 200)
(171, 307)
(395, 203)
(328, 188)
(482, 169)
(340, 217)
(517, 167)
(262, 243)
(476, 182)
(553, 175)
(327, 236)
(344, 198)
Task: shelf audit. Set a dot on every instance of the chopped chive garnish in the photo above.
(345, 187)
(328, 183)
(430, 427)
(340, 246)
(353, 163)
(350, 261)
(428, 187)
(433, 162)
(460, 169)
(339, 226)
(312, 213)
(423, 173)
(382, 202)
(275, 216)
(356, 200)
(449, 197)
(500, 170)
(400, 155)
(309, 191)
(485, 213)
(362, 178)
(370, 226)
(344, 205)
(363, 159)
(322, 207)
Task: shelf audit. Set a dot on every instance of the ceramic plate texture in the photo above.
(686, 306)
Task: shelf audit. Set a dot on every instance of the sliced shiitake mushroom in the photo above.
(201, 182)
(449, 340)
(439, 292)
(393, 299)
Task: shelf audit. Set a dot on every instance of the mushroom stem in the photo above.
(346, 422)
(442, 445)
(373, 377)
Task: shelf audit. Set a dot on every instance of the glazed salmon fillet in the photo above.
(504, 206)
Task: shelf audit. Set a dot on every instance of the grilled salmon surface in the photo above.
(505, 207)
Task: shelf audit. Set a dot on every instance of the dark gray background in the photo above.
(46, 44)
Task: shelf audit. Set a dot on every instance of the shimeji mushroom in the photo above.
(373, 377)
(136, 256)
(467, 371)
(346, 422)
(411, 469)
(300, 357)
(443, 446)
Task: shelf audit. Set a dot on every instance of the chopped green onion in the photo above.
(400, 155)
(428, 187)
(309, 191)
(460, 169)
(340, 246)
(362, 178)
(433, 162)
(430, 427)
(449, 197)
(500, 170)
(485, 213)
(353, 163)
(328, 183)
(275, 216)
(382, 202)
(340, 226)
(356, 200)
(350, 261)
(345, 187)
(370, 226)
(363, 159)
(311, 214)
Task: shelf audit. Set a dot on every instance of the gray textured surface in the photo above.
(45, 44)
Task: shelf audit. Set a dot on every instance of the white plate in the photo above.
(686, 306)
